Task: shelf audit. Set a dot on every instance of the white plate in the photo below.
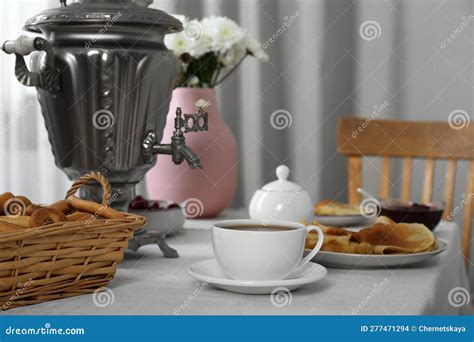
(210, 272)
(347, 260)
(344, 221)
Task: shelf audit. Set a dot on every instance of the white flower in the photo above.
(234, 55)
(220, 36)
(178, 42)
(200, 43)
(191, 40)
(256, 49)
(193, 81)
(223, 32)
(183, 41)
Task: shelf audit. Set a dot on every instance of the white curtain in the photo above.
(27, 164)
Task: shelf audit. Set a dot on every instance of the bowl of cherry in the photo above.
(163, 216)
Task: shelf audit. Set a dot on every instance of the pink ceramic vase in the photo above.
(207, 191)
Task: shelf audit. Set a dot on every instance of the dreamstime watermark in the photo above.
(192, 208)
(14, 207)
(98, 214)
(375, 113)
(281, 119)
(47, 329)
(459, 119)
(464, 200)
(193, 30)
(103, 119)
(18, 117)
(280, 207)
(370, 30)
(288, 21)
(377, 288)
(370, 208)
(21, 288)
(103, 297)
(459, 296)
(191, 298)
(104, 29)
(457, 31)
(281, 297)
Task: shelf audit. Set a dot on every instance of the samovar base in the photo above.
(122, 195)
(144, 237)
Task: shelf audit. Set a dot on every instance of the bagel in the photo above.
(46, 216)
(80, 216)
(14, 206)
(32, 208)
(3, 199)
(62, 205)
(25, 200)
(94, 208)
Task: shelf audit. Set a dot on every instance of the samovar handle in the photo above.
(48, 77)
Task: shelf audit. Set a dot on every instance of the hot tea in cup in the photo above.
(261, 250)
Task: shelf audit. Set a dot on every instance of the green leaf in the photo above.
(204, 68)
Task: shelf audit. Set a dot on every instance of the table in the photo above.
(148, 284)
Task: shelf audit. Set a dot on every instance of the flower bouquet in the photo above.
(210, 50)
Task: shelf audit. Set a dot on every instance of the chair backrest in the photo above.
(359, 137)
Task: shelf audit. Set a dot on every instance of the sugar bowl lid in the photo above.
(105, 11)
(282, 184)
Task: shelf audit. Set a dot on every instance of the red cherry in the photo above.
(155, 206)
(139, 204)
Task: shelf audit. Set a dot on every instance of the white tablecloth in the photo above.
(148, 284)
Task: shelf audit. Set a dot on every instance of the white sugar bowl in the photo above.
(281, 200)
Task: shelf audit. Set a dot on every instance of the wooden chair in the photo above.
(430, 141)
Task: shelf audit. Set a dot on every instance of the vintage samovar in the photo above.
(104, 79)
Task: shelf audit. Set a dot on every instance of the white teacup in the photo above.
(262, 250)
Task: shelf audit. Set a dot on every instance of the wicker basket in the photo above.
(63, 259)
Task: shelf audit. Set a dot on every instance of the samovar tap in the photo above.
(178, 149)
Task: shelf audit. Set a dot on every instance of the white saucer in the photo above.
(210, 272)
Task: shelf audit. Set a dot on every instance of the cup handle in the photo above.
(316, 248)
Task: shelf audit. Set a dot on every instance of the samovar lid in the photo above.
(105, 11)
